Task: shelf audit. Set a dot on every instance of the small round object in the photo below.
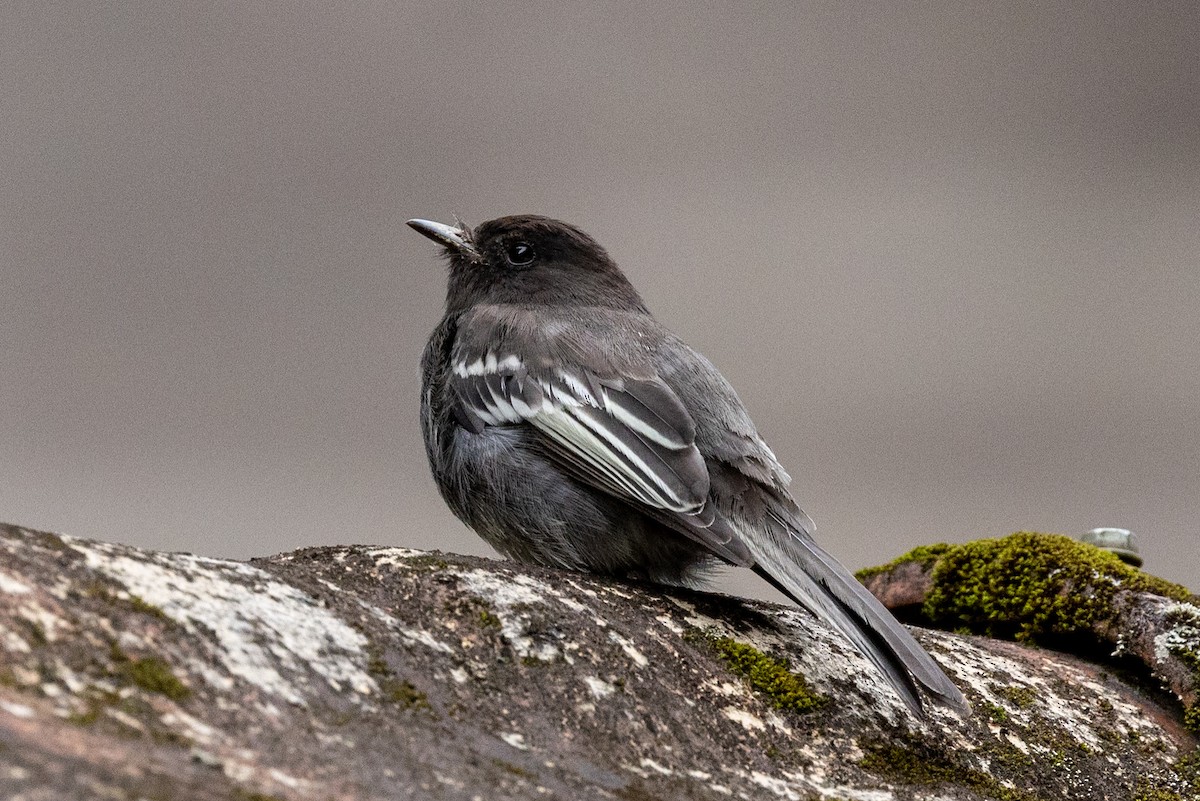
(1119, 541)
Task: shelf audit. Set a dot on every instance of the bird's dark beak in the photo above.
(456, 239)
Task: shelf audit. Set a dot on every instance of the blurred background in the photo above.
(947, 252)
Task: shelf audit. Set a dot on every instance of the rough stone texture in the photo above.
(903, 586)
(373, 673)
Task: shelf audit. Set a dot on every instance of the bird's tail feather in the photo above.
(793, 563)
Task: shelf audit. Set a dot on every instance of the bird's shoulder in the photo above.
(725, 431)
(607, 343)
(602, 344)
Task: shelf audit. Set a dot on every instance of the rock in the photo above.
(1056, 592)
(381, 673)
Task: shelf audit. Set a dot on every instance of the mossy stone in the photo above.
(926, 555)
(917, 765)
(771, 677)
(1027, 586)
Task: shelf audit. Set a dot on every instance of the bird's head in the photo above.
(528, 260)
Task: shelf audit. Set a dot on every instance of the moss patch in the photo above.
(766, 675)
(1183, 642)
(150, 609)
(1029, 586)
(428, 561)
(1021, 697)
(1187, 767)
(1042, 588)
(49, 541)
(37, 634)
(1145, 792)
(1038, 588)
(404, 693)
(398, 691)
(150, 674)
(154, 675)
(926, 555)
(994, 713)
(916, 765)
(115, 596)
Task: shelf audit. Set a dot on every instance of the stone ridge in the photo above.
(379, 673)
(1055, 592)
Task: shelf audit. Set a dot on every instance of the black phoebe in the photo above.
(570, 429)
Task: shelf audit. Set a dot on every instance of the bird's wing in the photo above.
(629, 436)
(788, 558)
(778, 535)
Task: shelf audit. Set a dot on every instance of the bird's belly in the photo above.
(503, 486)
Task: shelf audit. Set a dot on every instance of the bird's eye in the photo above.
(519, 254)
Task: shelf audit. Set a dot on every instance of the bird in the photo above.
(570, 429)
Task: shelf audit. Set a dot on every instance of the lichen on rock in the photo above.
(364, 672)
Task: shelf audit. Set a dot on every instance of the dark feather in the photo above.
(791, 561)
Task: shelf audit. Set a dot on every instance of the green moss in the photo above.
(377, 667)
(1021, 697)
(996, 714)
(1187, 767)
(1145, 792)
(154, 675)
(88, 717)
(149, 673)
(1030, 586)
(488, 620)
(111, 594)
(427, 562)
(404, 693)
(927, 555)
(398, 691)
(51, 542)
(915, 765)
(1187, 770)
(1038, 588)
(1183, 642)
(37, 634)
(149, 609)
(766, 675)
(1191, 718)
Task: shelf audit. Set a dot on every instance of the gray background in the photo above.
(947, 253)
